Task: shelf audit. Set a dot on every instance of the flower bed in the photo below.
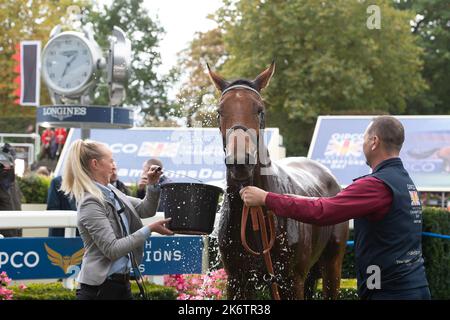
(209, 286)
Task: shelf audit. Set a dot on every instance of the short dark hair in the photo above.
(154, 161)
(390, 131)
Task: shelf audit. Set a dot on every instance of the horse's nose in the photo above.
(244, 159)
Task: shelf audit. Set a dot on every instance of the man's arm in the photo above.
(365, 197)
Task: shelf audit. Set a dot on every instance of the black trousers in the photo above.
(108, 290)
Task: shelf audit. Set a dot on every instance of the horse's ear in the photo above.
(217, 80)
(263, 79)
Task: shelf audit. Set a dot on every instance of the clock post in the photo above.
(72, 65)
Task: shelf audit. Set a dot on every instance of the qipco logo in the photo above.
(19, 260)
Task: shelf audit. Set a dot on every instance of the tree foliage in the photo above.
(432, 27)
(328, 60)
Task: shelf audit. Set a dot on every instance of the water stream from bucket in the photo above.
(182, 175)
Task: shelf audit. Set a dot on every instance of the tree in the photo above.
(432, 27)
(145, 91)
(197, 96)
(327, 60)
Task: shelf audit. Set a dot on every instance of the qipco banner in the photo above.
(188, 154)
(338, 144)
(58, 258)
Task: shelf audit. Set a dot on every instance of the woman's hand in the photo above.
(160, 227)
(253, 196)
(153, 174)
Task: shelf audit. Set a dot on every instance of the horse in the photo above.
(301, 252)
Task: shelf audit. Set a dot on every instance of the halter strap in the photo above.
(240, 86)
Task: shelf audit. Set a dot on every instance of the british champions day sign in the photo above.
(338, 144)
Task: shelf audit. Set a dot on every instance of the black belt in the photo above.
(119, 277)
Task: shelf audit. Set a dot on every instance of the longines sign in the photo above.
(57, 258)
(62, 113)
(76, 116)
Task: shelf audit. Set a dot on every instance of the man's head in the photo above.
(151, 162)
(383, 139)
(114, 177)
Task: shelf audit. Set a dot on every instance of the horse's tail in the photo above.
(311, 281)
(421, 154)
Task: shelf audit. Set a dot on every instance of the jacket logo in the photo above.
(415, 201)
(64, 262)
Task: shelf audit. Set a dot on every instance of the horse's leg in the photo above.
(304, 252)
(332, 261)
(311, 281)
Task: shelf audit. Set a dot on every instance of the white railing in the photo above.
(48, 219)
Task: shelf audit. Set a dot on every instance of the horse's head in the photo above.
(241, 117)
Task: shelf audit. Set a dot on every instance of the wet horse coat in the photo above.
(301, 250)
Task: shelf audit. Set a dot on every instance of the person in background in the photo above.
(119, 184)
(46, 141)
(143, 181)
(57, 200)
(43, 171)
(60, 139)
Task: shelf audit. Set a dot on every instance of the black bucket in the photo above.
(192, 207)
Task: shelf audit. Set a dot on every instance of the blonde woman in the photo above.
(109, 221)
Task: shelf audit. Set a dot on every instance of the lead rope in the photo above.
(259, 224)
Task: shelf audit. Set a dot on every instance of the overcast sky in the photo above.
(180, 19)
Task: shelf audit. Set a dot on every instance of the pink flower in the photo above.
(198, 286)
(22, 287)
(5, 294)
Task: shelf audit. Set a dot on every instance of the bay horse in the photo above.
(301, 252)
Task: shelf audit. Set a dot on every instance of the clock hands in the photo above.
(68, 64)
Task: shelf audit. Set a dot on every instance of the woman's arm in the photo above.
(93, 216)
(147, 207)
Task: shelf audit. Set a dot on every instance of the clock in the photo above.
(69, 63)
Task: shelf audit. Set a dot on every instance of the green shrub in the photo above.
(133, 189)
(56, 291)
(34, 188)
(436, 252)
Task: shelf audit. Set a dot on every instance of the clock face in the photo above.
(67, 63)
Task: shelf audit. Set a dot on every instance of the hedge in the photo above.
(436, 253)
(34, 188)
(56, 291)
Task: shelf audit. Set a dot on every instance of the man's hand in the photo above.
(160, 227)
(153, 174)
(253, 196)
(150, 177)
